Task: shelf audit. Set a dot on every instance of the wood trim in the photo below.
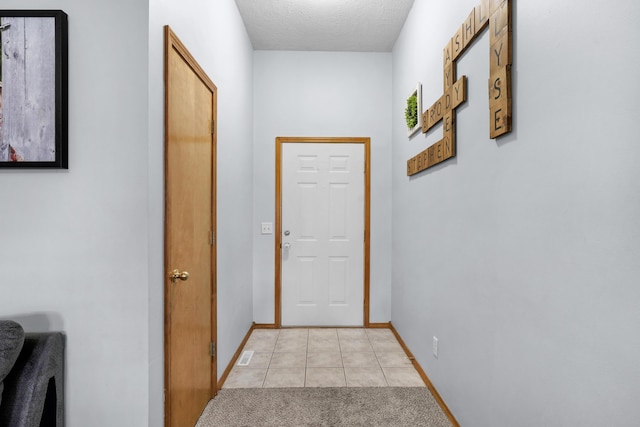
(277, 242)
(235, 357)
(425, 378)
(167, 309)
(172, 42)
(214, 231)
(379, 325)
(264, 326)
(278, 216)
(367, 232)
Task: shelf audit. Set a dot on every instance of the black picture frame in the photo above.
(39, 131)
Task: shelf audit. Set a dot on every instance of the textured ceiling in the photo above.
(324, 25)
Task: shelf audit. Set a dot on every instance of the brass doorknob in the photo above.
(176, 274)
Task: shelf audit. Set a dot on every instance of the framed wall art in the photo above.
(33, 89)
(413, 111)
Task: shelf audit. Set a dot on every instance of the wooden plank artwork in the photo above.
(28, 90)
(497, 15)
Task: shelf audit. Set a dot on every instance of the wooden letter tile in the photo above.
(500, 118)
(449, 144)
(500, 85)
(501, 53)
(449, 76)
(439, 108)
(459, 92)
(448, 130)
(482, 16)
(429, 123)
(447, 122)
(439, 151)
(457, 43)
(500, 22)
(469, 29)
(425, 121)
(446, 54)
(495, 4)
(446, 99)
(432, 116)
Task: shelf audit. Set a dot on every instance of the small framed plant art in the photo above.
(413, 111)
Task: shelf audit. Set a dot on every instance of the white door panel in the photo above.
(323, 254)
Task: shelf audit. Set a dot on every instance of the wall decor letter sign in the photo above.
(495, 14)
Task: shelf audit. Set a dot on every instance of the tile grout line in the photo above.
(270, 359)
(306, 355)
(344, 370)
(375, 354)
(264, 380)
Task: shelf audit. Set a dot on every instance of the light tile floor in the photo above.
(327, 357)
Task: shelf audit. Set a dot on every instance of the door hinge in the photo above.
(212, 238)
(213, 126)
(212, 349)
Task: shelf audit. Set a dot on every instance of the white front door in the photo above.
(322, 234)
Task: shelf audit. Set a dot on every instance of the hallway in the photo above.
(323, 357)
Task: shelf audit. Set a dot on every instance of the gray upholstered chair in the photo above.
(31, 377)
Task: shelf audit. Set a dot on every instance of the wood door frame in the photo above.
(172, 42)
(280, 140)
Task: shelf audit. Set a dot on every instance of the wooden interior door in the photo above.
(190, 303)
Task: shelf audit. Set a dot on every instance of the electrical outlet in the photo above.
(435, 347)
(266, 228)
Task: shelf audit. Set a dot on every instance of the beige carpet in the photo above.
(288, 407)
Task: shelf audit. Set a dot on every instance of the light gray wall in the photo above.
(522, 255)
(215, 35)
(321, 94)
(74, 244)
(81, 250)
